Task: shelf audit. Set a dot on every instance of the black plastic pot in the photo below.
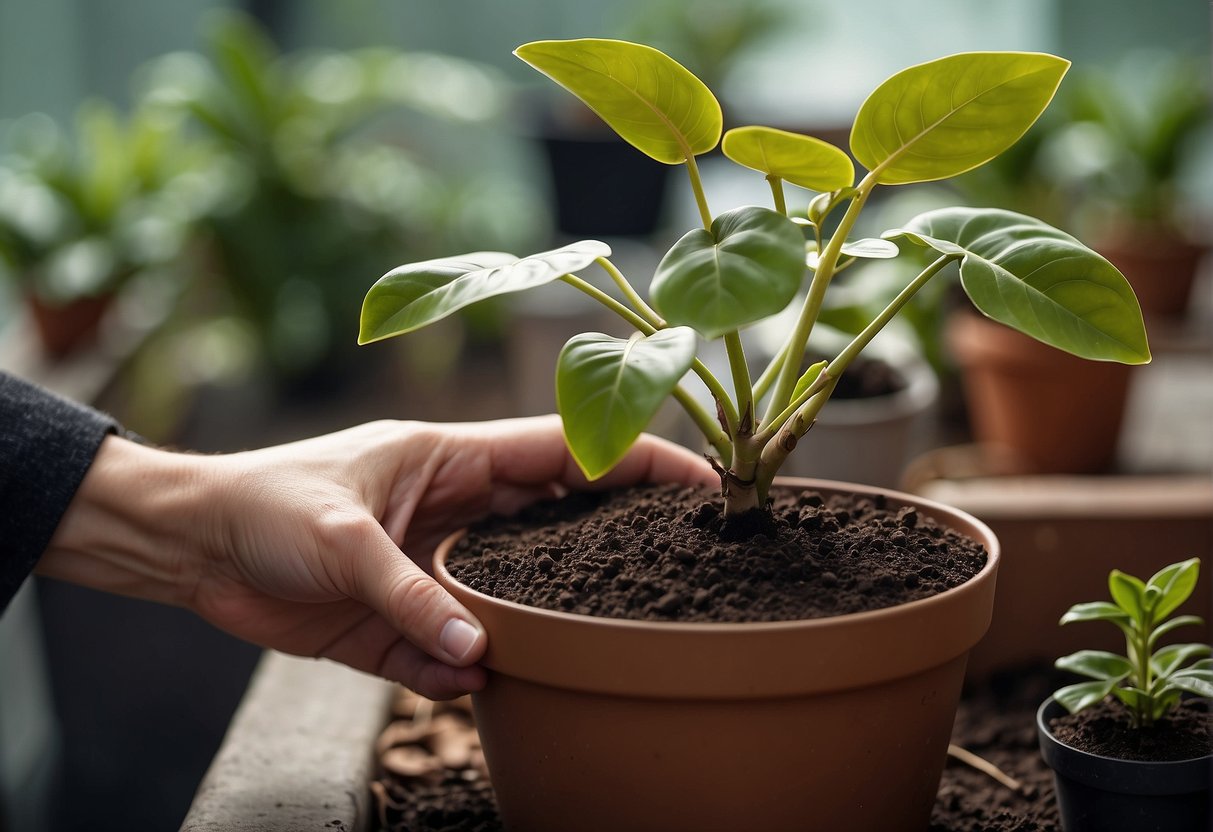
(1103, 794)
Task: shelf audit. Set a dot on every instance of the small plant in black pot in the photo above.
(1135, 750)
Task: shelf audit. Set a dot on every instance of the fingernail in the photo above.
(458, 638)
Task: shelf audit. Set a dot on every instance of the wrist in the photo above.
(131, 527)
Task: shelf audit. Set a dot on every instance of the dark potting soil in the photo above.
(663, 553)
(866, 378)
(419, 792)
(1107, 729)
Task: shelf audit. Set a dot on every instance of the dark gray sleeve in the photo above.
(47, 444)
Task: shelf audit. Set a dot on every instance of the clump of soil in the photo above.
(657, 554)
(1107, 729)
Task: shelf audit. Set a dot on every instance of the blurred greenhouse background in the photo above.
(195, 196)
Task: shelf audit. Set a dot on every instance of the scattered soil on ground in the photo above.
(665, 553)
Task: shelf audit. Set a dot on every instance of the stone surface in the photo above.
(298, 755)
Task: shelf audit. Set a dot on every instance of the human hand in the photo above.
(320, 547)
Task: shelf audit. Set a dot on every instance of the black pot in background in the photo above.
(602, 186)
(1102, 794)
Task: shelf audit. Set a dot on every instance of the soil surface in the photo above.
(1107, 729)
(663, 553)
(421, 791)
(866, 378)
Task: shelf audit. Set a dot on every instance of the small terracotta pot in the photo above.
(1104, 794)
(837, 724)
(1159, 264)
(67, 327)
(1054, 412)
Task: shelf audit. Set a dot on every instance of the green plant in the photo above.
(928, 122)
(1148, 680)
(81, 213)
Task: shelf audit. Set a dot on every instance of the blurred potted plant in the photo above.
(323, 182)
(1134, 755)
(81, 215)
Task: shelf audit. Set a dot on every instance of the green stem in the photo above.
(701, 199)
(812, 302)
(741, 382)
(776, 184)
(768, 375)
(713, 384)
(707, 425)
(792, 422)
(633, 297)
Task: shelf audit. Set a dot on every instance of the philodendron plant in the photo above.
(1149, 681)
(929, 122)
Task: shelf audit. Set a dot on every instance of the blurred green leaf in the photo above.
(802, 160)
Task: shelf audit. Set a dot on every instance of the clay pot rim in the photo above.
(986, 537)
(1173, 776)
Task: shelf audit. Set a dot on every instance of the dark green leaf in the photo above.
(1038, 280)
(418, 294)
(746, 268)
(1175, 584)
(1192, 684)
(608, 389)
(1097, 664)
(1083, 695)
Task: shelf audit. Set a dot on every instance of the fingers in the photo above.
(532, 451)
(379, 575)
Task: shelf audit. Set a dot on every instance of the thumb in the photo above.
(388, 581)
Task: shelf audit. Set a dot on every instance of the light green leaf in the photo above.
(1097, 664)
(1136, 698)
(1129, 594)
(867, 248)
(1192, 684)
(1175, 584)
(944, 117)
(1173, 657)
(1038, 280)
(1163, 702)
(1175, 623)
(418, 294)
(747, 267)
(608, 389)
(1095, 611)
(807, 378)
(1083, 695)
(648, 98)
(801, 160)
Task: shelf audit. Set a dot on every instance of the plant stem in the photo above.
(713, 384)
(701, 199)
(741, 383)
(633, 297)
(776, 184)
(707, 425)
(792, 426)
(812, 302)
(768, 375)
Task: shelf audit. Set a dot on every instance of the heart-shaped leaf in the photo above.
(747, 267)
(608, 389)
(947, 116)
(418, 294)
(652, 101)
(801, 160)
(1038, 280)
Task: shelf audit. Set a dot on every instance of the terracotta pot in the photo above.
(1159, 264)
(833, 724)
(65, 328)
(1054, 412)
(1104, 794)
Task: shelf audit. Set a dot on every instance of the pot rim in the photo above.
(1150, 777)
(770, 658)
(993, 556)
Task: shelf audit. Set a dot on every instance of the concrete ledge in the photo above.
(298, 754)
